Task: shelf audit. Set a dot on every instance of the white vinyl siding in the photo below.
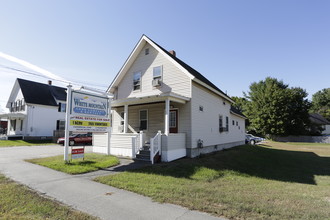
(204, 124)
(173, 79)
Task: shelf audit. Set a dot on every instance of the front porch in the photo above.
(16, 125)
(148, 128)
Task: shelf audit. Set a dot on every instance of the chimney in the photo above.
(49, 82)
(172, 52)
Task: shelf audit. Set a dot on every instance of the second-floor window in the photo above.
(137, 81)
(18, 105)
(158, 72)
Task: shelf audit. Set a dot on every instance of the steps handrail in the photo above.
(155, 146)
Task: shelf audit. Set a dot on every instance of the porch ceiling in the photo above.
(150, 99)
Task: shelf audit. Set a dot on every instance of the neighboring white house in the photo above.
(319, 120)
(35, 110)
(156, 91)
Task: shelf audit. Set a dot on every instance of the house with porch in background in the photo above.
(163, 108)
(36, 110)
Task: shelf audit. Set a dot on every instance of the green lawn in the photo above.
(270, 181)
(91, 162)
(19, 202)
(13, 143)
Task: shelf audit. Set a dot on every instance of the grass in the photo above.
(91, 162)
(270, 181)
(19, 202)
(14, 143)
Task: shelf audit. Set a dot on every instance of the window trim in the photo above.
(147, 119)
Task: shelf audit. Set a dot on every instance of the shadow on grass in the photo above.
(83, 163)
(274, 164)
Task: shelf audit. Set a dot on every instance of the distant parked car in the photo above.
(77, 139)
(250, 139)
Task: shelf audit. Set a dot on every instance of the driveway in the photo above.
(84, 194)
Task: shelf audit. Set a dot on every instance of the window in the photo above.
(122, 122)
(60, 125)
(137, 81)
(172, 119)
(233, 122)
(146, 51)
(21, 128)
(236, 123)
(143, 119)
(13, 125)
(227, 123)
(220, 124)
(61, 107)
(122, 115)
(201, 108)
(158, 72)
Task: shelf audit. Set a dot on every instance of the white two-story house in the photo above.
(160, 99)
(36, 110)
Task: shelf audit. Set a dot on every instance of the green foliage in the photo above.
(13, 143)
(321, 103)
(240, 103)
(276, 109)
(91, 162)
(19, 202)
(273, 181)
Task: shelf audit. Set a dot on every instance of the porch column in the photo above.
(167, 117)
(125, 118)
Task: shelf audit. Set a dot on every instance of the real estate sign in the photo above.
(77, 153)
(89, 113)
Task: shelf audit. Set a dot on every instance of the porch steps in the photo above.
(143, 155)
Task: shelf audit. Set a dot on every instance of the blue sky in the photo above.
(232, 43)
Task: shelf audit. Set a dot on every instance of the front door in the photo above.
(174, 121)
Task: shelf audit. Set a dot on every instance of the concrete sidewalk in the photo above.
(83, 194)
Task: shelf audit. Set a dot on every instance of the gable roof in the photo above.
(318, 119)
(191, 72)
(42, 94)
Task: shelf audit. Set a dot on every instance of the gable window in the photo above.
(137, 81)
(146, 51)
(220, 124)
(143, 119)
(157, 72)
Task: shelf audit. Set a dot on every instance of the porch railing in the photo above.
(137, 143)
(155, 146)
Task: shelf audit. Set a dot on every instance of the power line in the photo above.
(63, 81)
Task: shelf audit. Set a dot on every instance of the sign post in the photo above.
(86, 112)
(67, 117)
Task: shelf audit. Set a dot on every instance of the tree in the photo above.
(276, 109)
(321, 103)
(240, 103)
